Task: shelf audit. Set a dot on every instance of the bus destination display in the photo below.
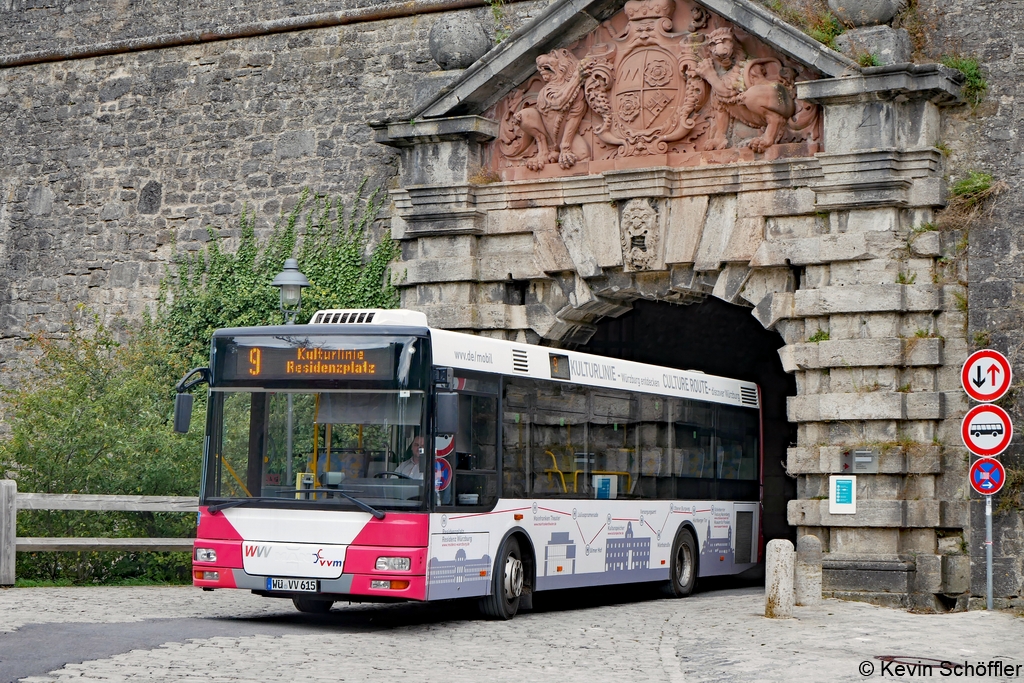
(271, 363)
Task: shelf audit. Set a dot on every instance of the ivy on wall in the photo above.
(215, 288)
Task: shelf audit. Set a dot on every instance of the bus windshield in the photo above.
(338, 422)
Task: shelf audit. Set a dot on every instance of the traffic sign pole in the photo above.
(987, 430)
(988, 552)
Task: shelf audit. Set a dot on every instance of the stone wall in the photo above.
(108, 164)
(35, 27)
(988, 139)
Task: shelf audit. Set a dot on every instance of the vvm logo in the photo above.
(256, 550)
(323, 561)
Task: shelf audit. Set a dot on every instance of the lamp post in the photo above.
(290, 283)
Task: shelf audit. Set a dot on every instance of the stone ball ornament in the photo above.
(457, 41)
(866, 12)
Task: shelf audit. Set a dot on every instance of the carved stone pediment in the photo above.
(661, 83)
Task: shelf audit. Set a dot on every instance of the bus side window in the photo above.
(558, 437)
(515, 431)
(476, 444)
(693, 450)
(738, 434)
(613, 443)
(655, 454)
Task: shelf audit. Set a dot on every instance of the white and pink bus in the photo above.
(367, 457)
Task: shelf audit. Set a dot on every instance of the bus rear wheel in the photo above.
(683, 575)
(312, 606)
(506, 583)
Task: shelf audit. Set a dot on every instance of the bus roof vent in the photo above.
(748, 396)
(520, 361)
(371, 316)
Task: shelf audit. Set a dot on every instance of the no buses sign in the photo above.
(986, 430)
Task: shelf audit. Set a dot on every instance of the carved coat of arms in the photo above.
(645, 89)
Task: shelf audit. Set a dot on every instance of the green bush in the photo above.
(974, 85)
(94, 418)
(972, 186)
(93, 414)
(813, 18)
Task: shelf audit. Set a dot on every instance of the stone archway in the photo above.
(721, 339)
(827, 240)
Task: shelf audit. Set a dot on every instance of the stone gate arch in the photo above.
(608, 153)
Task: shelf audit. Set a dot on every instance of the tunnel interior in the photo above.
(720, 339)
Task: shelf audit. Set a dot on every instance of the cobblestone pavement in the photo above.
(612, 634)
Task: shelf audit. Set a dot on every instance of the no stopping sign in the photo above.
(987, 476)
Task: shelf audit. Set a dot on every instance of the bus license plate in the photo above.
(294, 585)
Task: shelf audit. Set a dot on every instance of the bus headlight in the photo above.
(393, 564)
(206, 555)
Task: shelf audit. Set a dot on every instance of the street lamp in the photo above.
(290, 281)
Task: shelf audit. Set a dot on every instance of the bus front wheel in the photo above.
(311, 606)
(684, 565)
(506, 583)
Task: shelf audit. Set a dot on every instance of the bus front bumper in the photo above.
(404, 587)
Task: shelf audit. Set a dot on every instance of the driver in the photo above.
(411, 467)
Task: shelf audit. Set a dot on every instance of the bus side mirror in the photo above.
(446, 413)
(182, 412)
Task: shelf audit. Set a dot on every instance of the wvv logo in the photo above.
(257, 550)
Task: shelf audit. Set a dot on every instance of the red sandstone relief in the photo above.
(636, 94)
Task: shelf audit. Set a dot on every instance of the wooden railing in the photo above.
(11, 501)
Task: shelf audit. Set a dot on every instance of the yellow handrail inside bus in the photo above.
(233, 474)
(316, 439)
(627, 475)
(554, 470)
(327, 444)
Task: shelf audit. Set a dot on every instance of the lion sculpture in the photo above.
(554, 122)
(750, 91)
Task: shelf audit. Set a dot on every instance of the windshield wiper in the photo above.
(378, 514)
(235, 503)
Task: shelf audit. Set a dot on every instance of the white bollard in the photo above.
(8, 529)
(807, 579)
(778, 582)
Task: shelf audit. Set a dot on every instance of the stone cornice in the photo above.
(847, 180)
(409, 133)
(616, 186)
(933, 82)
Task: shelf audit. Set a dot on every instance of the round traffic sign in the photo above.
(442, 474)
(986, 375)
(987, 476)
(986, 430)
(444, 445)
